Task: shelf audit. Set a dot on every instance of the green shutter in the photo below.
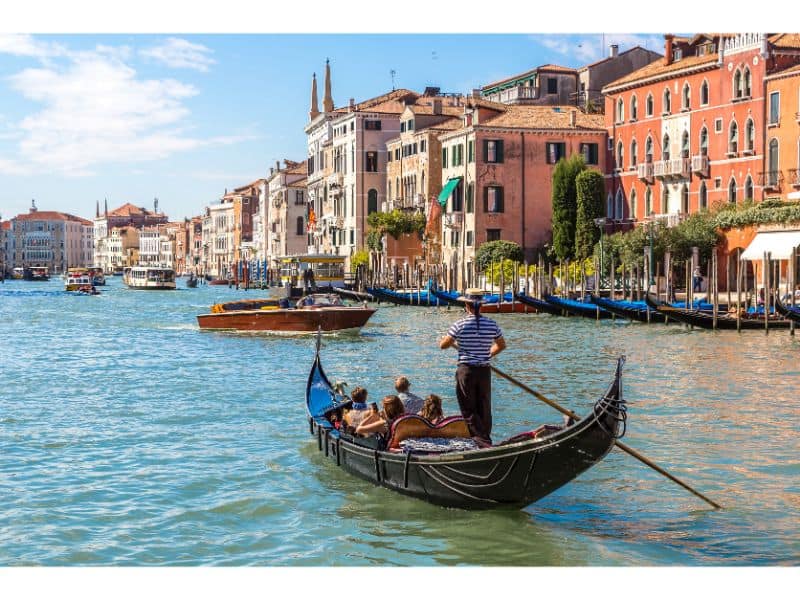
(444, 158)
(499, 145)
(485, 150)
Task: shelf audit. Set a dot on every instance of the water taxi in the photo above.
(149, 278)
(315, 271)
(77, 279)
(36, 274)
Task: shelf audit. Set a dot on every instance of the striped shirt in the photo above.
(474, 343)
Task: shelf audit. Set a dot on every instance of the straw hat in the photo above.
(472, 295)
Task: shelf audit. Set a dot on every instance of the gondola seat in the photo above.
(414, 426)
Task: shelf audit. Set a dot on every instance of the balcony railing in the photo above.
(335, 179)
(794, 177)
(673, 167)
(770, 179)
(670, 220)
(454, 220)
(518, 93)
(645, 170)
(700, 164)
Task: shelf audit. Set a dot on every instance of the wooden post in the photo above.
(790, 276)
(738, 289)
(713, 274)
(765, 283)
(728, 278)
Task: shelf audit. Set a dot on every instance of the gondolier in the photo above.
(479, 339)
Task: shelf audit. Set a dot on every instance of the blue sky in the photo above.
(182, 117)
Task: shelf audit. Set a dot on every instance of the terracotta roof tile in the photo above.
(544, 117)
(128, 209)
(397, 95)
(549, 68)
(300, 183)
(785, 40)
(299, 169)
(51, 215)
(658, 68)
(5, 224)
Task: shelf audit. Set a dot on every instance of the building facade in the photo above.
(127, 215)
(288, 206)
(782, 144)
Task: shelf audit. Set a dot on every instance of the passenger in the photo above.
(359, 410)
(432, 409)
(283, 303)
(381, 422)
(412, 402)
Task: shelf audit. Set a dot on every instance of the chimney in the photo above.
(352, 106)
(476, 93)
(668, 39)
(613, 51)
(573, 118)
(437, 106)
(277, 165)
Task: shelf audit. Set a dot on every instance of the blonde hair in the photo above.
(432, 408)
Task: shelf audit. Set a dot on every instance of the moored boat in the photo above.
(705, 320)
(149, 278)
(625, 309)
(36, 274)
(588, 310)
(313, 312)
(492, 304)
(514, 473)
(790, 312)
(540, 305)
(420, 297)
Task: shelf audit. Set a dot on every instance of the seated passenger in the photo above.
(283, 303)
(380, 422)
(412, 402)
(359, 410)
(432, 409)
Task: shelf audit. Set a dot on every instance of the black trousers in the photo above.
(474, 393)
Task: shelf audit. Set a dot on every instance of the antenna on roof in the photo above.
(392, 73)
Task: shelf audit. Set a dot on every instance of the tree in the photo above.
(497, 251)
(590, 187)
(361, 257)
(565, 204)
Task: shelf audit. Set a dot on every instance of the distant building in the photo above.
(548, 84)
(593, 77)
(288, 207)
(127, 215)
(49, 239)
(782, 146)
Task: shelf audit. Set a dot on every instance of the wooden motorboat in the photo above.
(312, 312)
(514, 473)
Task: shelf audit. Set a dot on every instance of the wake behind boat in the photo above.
(316, 311)
(515, 473)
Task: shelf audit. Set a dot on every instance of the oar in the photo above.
(620, 445)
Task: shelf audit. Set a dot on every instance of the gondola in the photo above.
(513, 474)
(491, 302)
(405, 298)
(790, 312)
(705, 320)
(633, 311)
(539, 304)
(588, 310)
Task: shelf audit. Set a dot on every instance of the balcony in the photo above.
(794, 177)
(670, 220)
(771, 180)
(335, 180)
(673, 167)
(454, 220)
(645, 171)
(700, 165)
(514, 95)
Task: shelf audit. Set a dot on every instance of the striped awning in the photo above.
(448, 189)
(779, 244)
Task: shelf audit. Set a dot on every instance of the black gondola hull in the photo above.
(704, 320)
(790, 312)
(625, 312)
(539, 305)
(590, 311)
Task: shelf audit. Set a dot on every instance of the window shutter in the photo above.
(499, 146)
(500, 207)
(485, 150)
(486, 198)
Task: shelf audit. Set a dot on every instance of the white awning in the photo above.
(780, 245)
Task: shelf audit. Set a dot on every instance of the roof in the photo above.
(607, 58)
(398, 95)
(550, 68)
(300, 183)
(544, 117)
(129, 210)
(421, 107)
(51, 215)
(5, 224)
(300, 168)
(658, 68)
(794, 70)
(785, 40)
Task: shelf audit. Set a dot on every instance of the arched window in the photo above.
(746, 82)
(620, 111)
(685, 199)
(619, 209)
(397, 189)
(704, 93)
(619, 156)
(685, 145)
(732, 190)
(634, 108)
(667, 101)
(665, 147)
(633, 153)
(663, 199)
(704, 141)
(389, 190)
(686, 96)
(422, 184)
(648, 106)
(749, 135)
(648, 150)
(300, 226)
(702, 196)
(733, 138)
(772, 175)
(648, 202)
(372, 201)
(609, 206)
(748, 189)
(737, 84)
(632, 206)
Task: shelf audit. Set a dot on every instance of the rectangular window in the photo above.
(372, 125)
(410, 126)
(389, 156)
(353, 233)
(774, 107)
(402, 126)
(397, 153)
(422, 146)
(552, 85)
(717, 125)
(555, 151)
(444, 158)
(493, 199)
(457, 198)
(310, 164)
(372, 162)
(589, 152)
(492, 235)
(493, 151)
(471, 151)
(470, 238)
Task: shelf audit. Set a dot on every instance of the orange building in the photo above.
(782, 160)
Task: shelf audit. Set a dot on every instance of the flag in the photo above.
(434, 216)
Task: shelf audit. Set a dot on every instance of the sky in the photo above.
(130, 118)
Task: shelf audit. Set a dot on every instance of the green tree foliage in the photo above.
(361, 257)
(496, 251)
(590, 188)
(565, 205)
(396, 223)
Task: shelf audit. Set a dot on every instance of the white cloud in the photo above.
(96, 110)
(22, 44)
(180, 54)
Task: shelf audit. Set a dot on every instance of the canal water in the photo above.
(129, 437)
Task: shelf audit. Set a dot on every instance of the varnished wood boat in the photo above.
(325, 315)
(514, 473)
(705, 320)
